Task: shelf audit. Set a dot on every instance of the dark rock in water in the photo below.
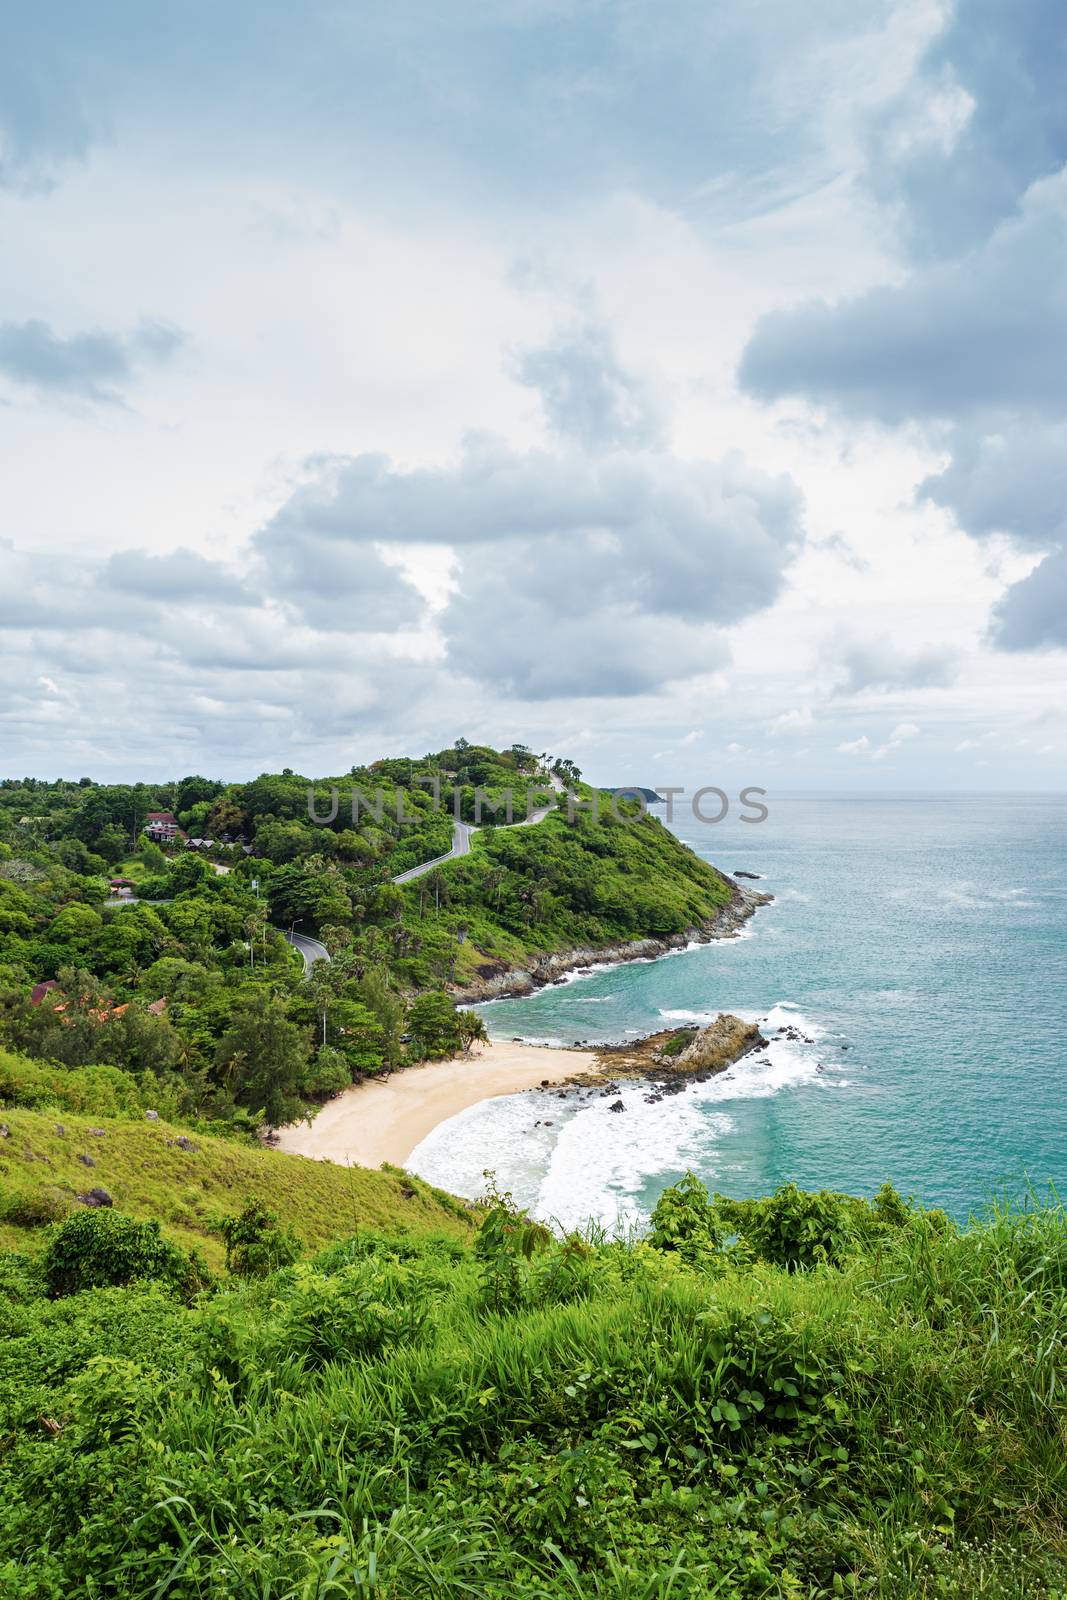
(549, 1124)
(87, 1161)
(96, 1197)
(545, 1082)
(617, 1105)
(755, 876)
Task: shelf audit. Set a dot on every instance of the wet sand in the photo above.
(384, 1119)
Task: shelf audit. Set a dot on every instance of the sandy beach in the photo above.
(383, 1120)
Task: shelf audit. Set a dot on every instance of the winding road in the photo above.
(462, 831)
(311, 949)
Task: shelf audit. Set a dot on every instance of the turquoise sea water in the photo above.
(919, 942)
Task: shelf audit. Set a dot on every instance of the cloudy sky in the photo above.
(677, 385)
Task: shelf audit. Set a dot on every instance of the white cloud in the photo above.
(303, 552)
(792, 721)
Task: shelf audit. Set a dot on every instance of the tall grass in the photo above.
(657, 1424)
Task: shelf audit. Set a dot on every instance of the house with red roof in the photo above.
(162, 827)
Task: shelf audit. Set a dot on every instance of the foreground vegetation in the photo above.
(800, 1396)
(193, 989)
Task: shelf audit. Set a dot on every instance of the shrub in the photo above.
(34, 1210)
(255, 1243)
(441, 1249)
(102, 1249)
(99, 1090)
(685, 1220)
(326, 1074)
(355, 1314)
(506, 1241)
(792, 1227)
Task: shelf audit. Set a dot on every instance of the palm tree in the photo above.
(471, 1027)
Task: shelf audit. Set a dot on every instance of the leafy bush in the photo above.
(440, 1248)
(794, 1228)
(256, 1244)
(352, 1315)
(99, 1091)
(685, 1220)
(99, 1248)
(326, 1074)
(507, 1239)
(633, 1426)
(34, 1209)
(21, 1279)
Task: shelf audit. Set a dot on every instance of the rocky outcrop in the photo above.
(495, 982)
(719, 1045)
(677, 1057)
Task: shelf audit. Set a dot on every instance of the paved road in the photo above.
(310, 949)
(461, 836)
(461, 843)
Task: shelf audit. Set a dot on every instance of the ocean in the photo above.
(917, 943)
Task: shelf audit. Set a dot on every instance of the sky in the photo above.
(677, 386)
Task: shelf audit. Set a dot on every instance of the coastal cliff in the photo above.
(497, 981)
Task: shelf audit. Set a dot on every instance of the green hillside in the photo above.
(147, 1174)
(565, 884)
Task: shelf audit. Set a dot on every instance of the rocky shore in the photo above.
(669, 1061)
(496, 981)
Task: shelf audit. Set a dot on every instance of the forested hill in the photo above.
(191, 979)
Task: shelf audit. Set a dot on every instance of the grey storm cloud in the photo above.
(977, 347)
(546, 623)
(180, 575)
(959, 338)
(332, 584)
(700, 539)
(879, 664)
(1006, 64)
(562, 547)
(535, 97)
(1033, 613)
(588, 397)
(88, 366)
(1009, 477)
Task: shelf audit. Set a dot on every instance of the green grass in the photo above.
(410, 1419)
(148, 1175)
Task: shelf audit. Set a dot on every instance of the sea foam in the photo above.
(571, 1160)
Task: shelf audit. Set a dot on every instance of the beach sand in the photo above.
(384, 1119)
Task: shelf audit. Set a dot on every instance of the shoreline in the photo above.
(515, 983)
(384, 1119)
